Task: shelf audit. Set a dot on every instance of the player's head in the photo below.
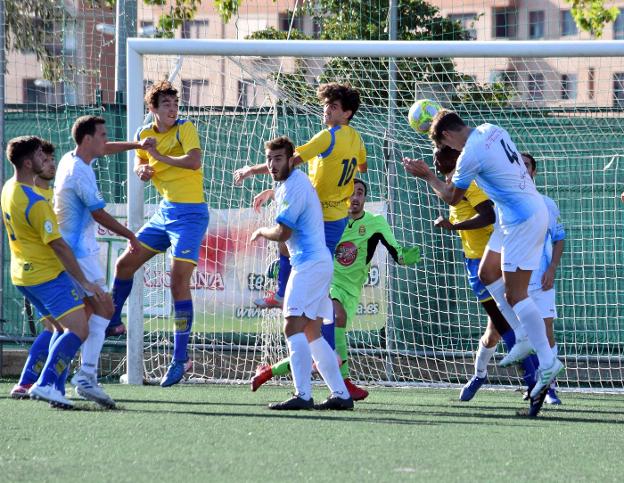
(49, 164)
(340, 103)
(448, 129)
(162, 101)
(279, 153)
(25, 154)
(358, 198)
(89, 133)
(445, 160)
(530, 163)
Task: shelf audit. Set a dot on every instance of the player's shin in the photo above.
(121, 291)
(301, 364)
(342, 350)
(59, 358)
(497, 290)
(92, 347)
(183, 323)
(327, 365)
(482, 358)
(529, 315)
(37, 356)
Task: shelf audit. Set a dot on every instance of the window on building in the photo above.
(505, 22)
(246, 93)
(536, 24)
(618, 90)
(591, 82)
(568, 25)
(195, 92)
(37, 91)
(195, 29)
(286, 20)
(568, 87)
(467, 21)
(618, 26)
(536, 87)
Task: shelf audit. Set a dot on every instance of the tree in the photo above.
(592, 16)
(36, 25)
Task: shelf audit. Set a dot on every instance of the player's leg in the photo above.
(485, 352)
(276, 299)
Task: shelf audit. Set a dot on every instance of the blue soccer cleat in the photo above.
(175, 372)
(552, 397)
(471, 388)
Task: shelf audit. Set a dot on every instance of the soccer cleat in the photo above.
(175, 372)
(295, 403)
(20, 391)
(471, 388)
(115, 331)
(263, 374)
(87, 387)
(546, 376)
(50, 394)
(335, 403)
(356, 393)
(552, 397)
(536, 402)
(518, 352)
(271, 301)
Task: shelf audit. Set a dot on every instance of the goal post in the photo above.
(435, 320)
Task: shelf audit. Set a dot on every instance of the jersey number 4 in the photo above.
(512, 155)
(348, 168)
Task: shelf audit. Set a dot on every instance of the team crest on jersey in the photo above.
(48, 226)
(362, 230)
(346, 253)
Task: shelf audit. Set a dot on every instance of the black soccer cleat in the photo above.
(537, 402)
(295, 403)
(335, 403)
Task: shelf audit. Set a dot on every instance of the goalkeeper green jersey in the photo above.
(357, 247)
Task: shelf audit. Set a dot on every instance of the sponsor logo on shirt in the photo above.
(346, 253)
(48, 226)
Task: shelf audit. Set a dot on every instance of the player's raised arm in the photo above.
(449, 193)
(248, 171)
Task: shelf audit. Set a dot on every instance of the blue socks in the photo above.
(183, 323)
(284, 273)
(121, 291)
(37, 356)
(528, 364)
(61, 353)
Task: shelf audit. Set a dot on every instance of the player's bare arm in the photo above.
(548, 279)
(115, 147)
(69, 262)
(248, 171)
(278, 233)
(485, 216)
(191, 160)
(449, 193)
(107, 221)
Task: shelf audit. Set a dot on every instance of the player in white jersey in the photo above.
(299, 223)
(542, 283)
(489, 156)
(79, 204)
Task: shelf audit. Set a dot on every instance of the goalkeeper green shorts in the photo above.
(348, 301)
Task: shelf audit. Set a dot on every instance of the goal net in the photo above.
(417, 324)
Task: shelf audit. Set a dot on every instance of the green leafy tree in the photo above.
(592, 16)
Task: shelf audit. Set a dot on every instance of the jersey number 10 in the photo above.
(348, 168)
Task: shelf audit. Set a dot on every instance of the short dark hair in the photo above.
(47, 147)
(445, 159)
(359, 181)
(531, 159)
(349, 97)
(85, 126)
(22, 148)
(444, 120)
(158, 89)
(281, 142)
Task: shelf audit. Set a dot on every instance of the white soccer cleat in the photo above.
(87, 387)
(50, 394)
(546, 376)
(521, 349)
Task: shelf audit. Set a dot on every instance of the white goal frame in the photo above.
(137, 48)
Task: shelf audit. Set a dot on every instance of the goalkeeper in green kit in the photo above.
(354, 254)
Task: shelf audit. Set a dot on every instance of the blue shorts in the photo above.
(472, 267)
(333, 233)
(181, 226)
(56, 298)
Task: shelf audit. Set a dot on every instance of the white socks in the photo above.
(300, 364)
(92, 346)
(531, 319)
(327, 366)
(483, 357)
(497, 291)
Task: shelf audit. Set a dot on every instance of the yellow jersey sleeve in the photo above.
(44, 222)
(475, 195)
(189, 137)
(315, 146)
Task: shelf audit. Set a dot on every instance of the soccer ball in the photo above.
(421, 114)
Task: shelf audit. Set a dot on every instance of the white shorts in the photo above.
(93, 272)
(521, 245)
(545, 301)
(307, 290)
